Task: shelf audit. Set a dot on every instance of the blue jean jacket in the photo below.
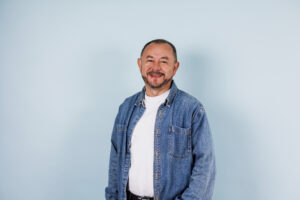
(184, 161)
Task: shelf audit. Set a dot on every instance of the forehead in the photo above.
(159, 50)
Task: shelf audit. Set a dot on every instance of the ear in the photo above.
(176, 67)
(139, 62)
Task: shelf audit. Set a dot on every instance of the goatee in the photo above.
(165, 82)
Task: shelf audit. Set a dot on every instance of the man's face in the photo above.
(157, 65)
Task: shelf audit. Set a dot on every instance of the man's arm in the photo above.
(202, 180)
(111, 191)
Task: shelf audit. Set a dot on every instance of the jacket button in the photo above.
(156, 131)
(156, 153)
(156, 176)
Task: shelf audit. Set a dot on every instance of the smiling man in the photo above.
(161, 144)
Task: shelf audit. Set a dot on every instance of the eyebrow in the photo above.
(165, 57)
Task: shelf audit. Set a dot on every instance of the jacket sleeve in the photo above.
(201, 183)
(111, 191)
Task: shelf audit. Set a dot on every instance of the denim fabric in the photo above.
(184, 161)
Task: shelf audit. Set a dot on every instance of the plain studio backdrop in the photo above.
(65, 66)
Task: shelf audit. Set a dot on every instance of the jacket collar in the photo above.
(169, 100)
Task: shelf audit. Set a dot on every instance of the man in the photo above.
(161, 145)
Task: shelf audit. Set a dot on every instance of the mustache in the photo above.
(155, 73)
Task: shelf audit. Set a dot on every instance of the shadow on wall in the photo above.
(232, 130)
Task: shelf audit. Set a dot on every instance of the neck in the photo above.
(152, 92)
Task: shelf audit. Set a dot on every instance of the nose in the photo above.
(156, 66)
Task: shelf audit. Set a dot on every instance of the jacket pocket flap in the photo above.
(177, 129)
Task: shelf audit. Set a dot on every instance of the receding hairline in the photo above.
(160, 41)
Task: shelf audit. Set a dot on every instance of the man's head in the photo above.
(158, 64)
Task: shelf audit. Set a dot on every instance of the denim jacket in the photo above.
(184, 161)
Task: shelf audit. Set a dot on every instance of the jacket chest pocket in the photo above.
(117, 137)
(179, 141)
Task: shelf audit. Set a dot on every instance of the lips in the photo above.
(156, 74)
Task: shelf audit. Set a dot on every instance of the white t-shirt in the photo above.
(142, 148)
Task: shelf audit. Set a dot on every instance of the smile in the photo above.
(155, 74)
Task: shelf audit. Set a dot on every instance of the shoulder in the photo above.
(187, 109)
(185, 99)
(125, 107)
(129, 101)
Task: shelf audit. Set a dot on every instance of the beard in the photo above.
(165, 81)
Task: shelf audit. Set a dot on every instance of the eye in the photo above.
(149, 60)
(163, 61)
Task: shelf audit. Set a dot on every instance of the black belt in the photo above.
(131, 196)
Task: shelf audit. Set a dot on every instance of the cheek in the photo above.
(144, 69)
(170, 72)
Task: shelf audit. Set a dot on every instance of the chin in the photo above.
(156, 84)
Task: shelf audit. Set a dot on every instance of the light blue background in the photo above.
(65, 66)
